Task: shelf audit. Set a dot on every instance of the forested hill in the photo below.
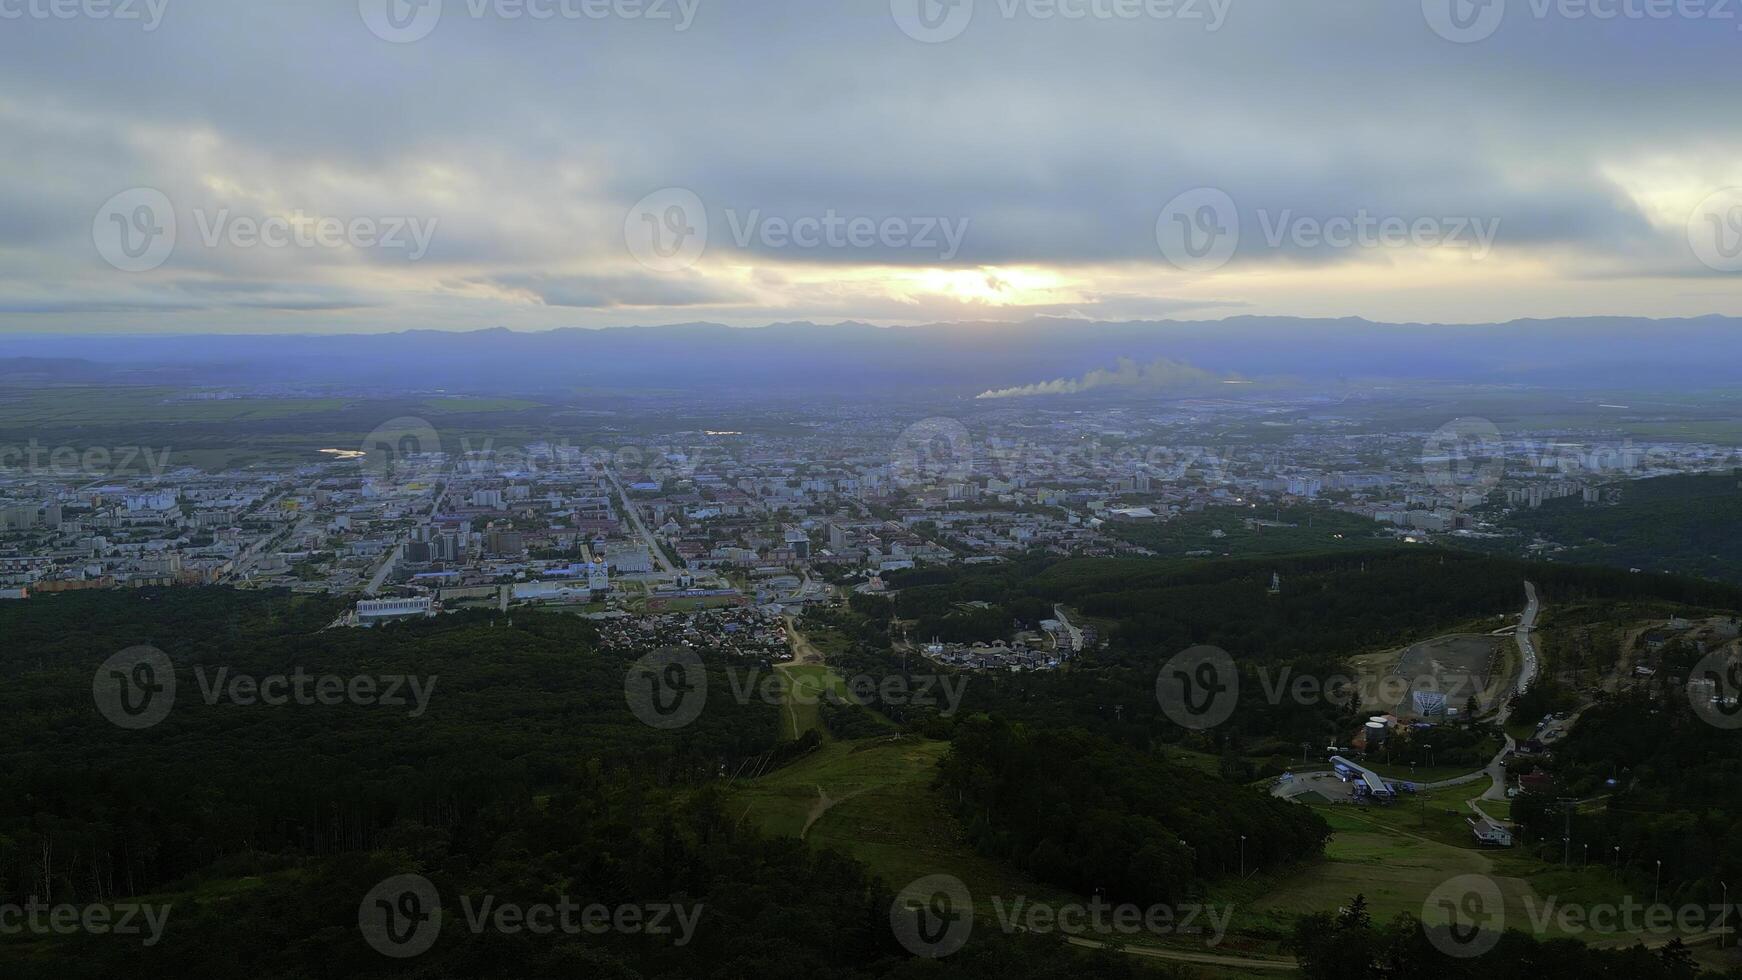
(524, 779)
(1335, 603)
(1689, 525)
(1331, 607)
(1087, 814)
(90, 808)
(1675, 795)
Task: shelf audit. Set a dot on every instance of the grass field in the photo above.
(807, 685)
(1394, 870)
(1426, 774)
(875, 801)
(444, 405)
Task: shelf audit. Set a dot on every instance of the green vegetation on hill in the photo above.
(1084, 813)
(1347, 945)
(1677, 796)
(1246, 532)
(525, 780)
(1331, 607)
(1687, 525)
(528, 777)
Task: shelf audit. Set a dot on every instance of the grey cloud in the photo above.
(1058, 140)
(607, 292)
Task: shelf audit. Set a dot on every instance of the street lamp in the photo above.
(1655, 888)
(1617, 858)
(1242, 857)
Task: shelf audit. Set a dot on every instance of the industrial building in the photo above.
(372, 611)
(1368, 784)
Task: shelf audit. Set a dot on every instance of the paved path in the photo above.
(634, 514)
(1527, 668)
(1495, 773)
(1184, 956)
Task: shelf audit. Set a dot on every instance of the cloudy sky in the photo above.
(365, 165)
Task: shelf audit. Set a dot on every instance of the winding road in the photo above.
(1495, 772)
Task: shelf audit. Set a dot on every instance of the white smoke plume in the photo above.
(1161, 373)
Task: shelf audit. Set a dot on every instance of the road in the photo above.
(1527, 668)
(807, 589)
(1495, 773)
(1526, 647)
(1183, 956)
(385, 569)
(629, 508)
(243, 566)
(803, 653)
(391, 559)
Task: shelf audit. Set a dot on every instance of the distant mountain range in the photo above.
(946, 359)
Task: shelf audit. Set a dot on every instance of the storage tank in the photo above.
(1376, 732)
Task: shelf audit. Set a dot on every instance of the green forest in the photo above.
(1686, 525)
(528, 776)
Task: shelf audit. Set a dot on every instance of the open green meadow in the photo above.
(875, 800)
